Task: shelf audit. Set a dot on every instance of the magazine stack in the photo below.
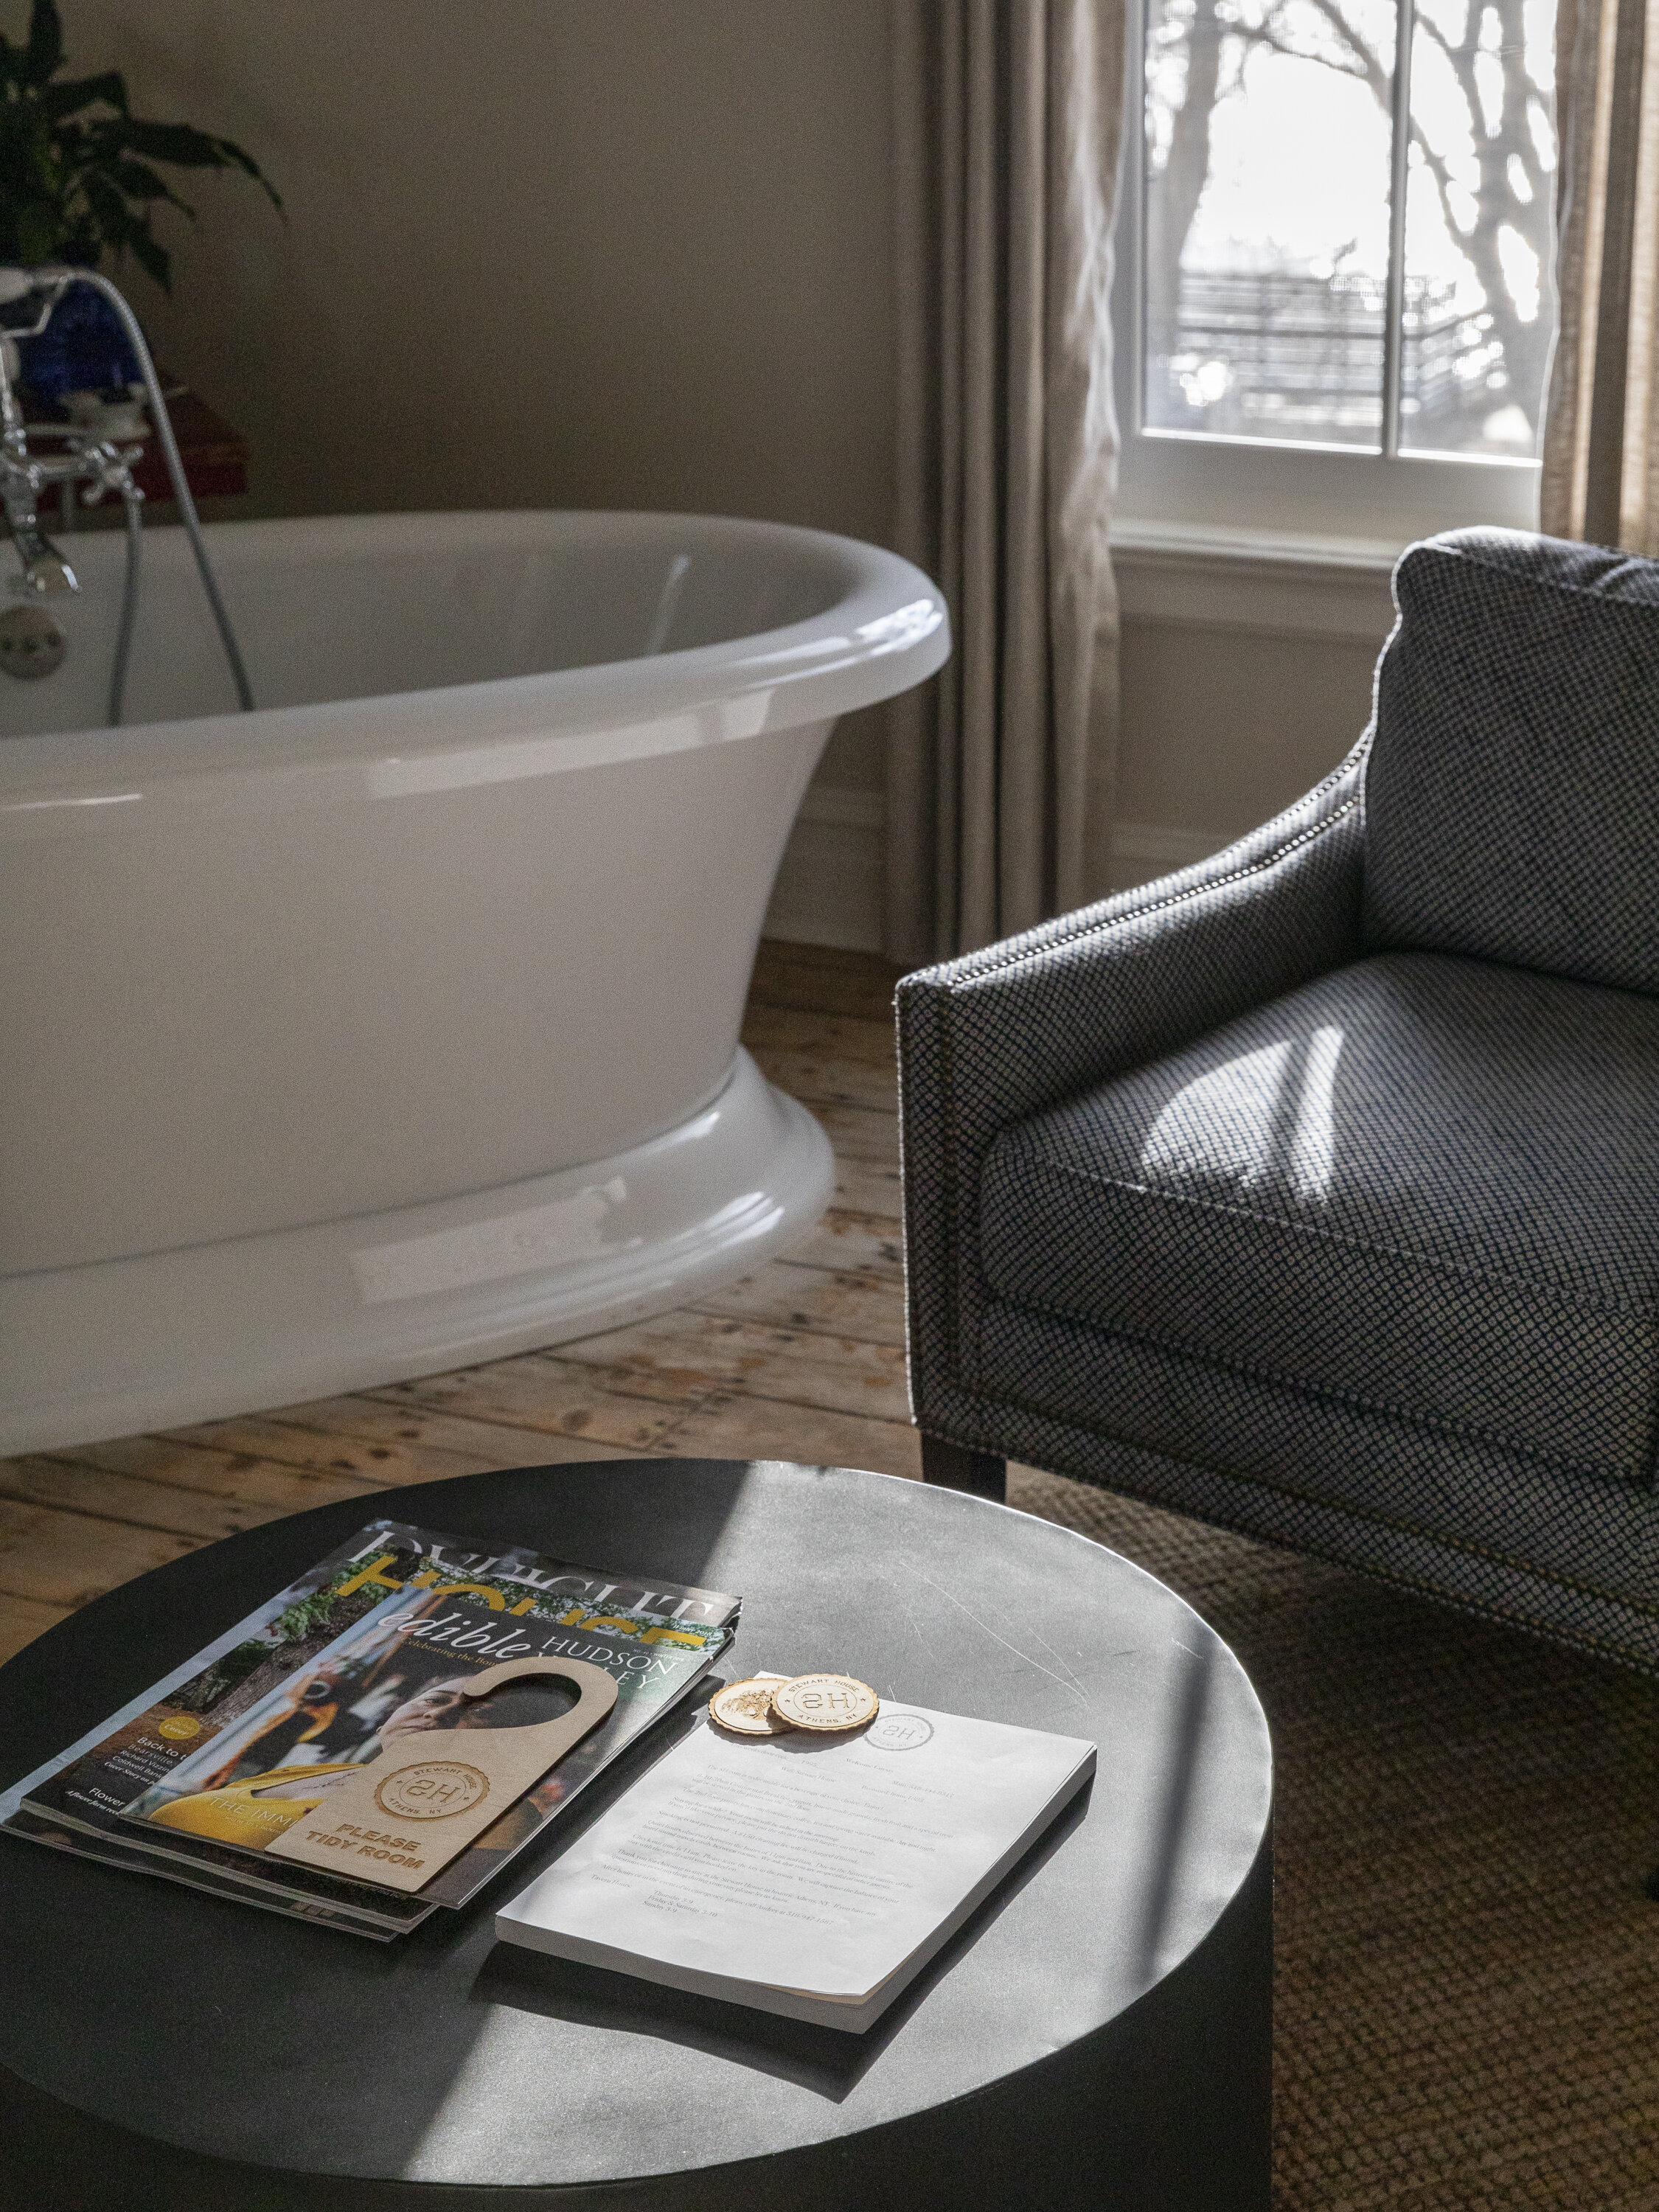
(372, 1649)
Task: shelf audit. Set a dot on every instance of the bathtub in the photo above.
(394, 1026)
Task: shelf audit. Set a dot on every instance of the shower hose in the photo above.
(62, 278)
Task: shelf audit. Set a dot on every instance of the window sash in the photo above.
(1190, 478)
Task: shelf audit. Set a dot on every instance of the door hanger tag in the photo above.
(397, 1819)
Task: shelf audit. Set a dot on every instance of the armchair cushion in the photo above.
(1425, 1186)
(1510, 792)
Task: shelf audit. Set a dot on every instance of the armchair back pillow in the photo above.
(1512, 790)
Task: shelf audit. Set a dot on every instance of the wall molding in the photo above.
(1267, 582)
(828, 890)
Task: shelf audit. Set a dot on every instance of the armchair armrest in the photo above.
(989, 1038)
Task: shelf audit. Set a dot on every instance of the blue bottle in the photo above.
(83, 349)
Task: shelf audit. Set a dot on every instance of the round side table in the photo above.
(1097, 2036)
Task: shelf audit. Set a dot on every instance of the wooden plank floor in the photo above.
(803, 1360)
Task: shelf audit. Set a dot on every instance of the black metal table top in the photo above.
(449, 2061)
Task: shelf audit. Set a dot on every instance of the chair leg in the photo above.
(982, 1474)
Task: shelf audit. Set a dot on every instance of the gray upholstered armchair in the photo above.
(1314, 1191)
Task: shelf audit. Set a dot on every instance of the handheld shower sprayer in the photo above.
(102, 467)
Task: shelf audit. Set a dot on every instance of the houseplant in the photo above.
(80, 178)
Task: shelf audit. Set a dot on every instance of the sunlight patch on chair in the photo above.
(1266, 1120)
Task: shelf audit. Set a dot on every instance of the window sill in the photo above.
(1275, 583)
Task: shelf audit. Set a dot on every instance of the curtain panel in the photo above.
(1600, 472)
(1008, 121)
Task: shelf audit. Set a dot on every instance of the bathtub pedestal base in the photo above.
(155, 1341)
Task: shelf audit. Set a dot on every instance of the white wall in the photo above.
(1247, 671)
(634, 253)
(539, 253)
(1224, 726)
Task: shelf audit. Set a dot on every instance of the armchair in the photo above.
(1314, 1190)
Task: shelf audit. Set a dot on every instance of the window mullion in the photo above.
(1393, 307)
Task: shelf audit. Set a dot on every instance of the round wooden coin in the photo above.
(745, 1708)
(827, 1703)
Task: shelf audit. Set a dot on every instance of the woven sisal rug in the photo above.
(1466, 1992)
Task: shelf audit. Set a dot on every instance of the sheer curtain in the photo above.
(1600, 476)
(1008, 118)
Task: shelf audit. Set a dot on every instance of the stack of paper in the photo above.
(810, 1876)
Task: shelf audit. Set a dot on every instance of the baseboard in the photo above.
(828, 890)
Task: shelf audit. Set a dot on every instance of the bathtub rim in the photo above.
(853, 653)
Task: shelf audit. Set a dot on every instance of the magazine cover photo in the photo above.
(402, 1671)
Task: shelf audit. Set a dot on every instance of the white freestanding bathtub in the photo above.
(394, 1025)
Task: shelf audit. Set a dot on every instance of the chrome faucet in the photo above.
(101, 466)
(87, 459)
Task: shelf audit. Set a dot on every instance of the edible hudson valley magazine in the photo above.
(196, 1776)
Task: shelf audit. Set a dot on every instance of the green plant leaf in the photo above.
(151, 258)
(39, 230)
(183, 148)
(136, 180)
(80, 174)
(175, 142)
(78, 92)
(43, 55)
(118, 228)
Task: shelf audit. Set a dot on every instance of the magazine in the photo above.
(193, 1779)
(109, 1851)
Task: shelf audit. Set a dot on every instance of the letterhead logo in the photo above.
(898, 1731)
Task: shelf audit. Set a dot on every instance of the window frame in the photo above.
(1193, 481)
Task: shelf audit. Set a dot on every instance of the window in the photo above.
(1341, 309)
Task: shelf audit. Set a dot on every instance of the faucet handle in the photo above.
(110, 469)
